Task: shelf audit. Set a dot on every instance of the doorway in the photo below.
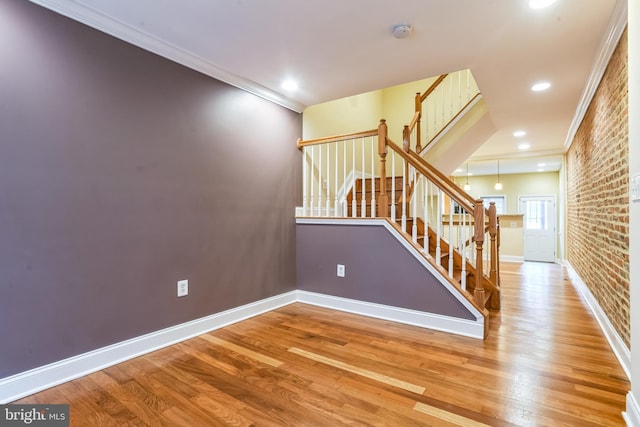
(539, 225)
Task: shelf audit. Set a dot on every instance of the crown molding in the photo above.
(617, 25)
(106, 24)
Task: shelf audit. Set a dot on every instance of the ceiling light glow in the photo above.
(524, 146)
(289, 85)
(519, 133)
(540, 4)
(540, 86)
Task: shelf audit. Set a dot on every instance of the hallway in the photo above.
(545, 363)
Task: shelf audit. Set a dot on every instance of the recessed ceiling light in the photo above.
(519, 133)
(541, 165)
(524, 146)
(540, 86)
(540, 4)
(289, 85)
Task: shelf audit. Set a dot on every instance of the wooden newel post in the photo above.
(478, 238)
(498, 253)
(383, 200)
(406, 138)
(493, 231)
(419, 111)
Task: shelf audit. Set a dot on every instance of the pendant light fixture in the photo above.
(467, 187)
(498, 185)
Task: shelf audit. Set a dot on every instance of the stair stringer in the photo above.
(476, 327)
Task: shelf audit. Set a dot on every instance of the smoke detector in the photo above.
(401, 31)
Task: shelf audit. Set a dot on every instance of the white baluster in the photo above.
(328, 184)
(414, 204)
(363, 204)
(459, 91)
(304, 181)
(313, 150)
(373, 180)
(336, 211)
(404, 197)
(320, 182)
(425, 220)
(450, 237)
(393, 186)
(439, 226)
(442, 113)
(354, 203)
(344, 178)
(463, 274)
(451, 103)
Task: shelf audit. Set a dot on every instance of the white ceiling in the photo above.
(339, 48)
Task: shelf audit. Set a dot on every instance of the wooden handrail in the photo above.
(433, 87)
(459, 196)
(328, 139)
(416, 118)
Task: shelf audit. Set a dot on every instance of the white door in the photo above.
(539, 225)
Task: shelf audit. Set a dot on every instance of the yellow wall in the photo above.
(347, 115)
(363, 112)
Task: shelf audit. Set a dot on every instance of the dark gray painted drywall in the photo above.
(378, 269)
(121, 173)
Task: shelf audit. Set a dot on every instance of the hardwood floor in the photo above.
(545, 363)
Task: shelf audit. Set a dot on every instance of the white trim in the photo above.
(29, 382)
(617, 24)
(129, 34)
(511, 258)
(464, 327)
(38, 379)
(623, 354)
(632, 414)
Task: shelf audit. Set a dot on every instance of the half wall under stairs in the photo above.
(380, 279)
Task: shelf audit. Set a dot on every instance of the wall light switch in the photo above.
(340, 270)
(634, 188)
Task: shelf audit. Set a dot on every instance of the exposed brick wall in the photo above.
(598, 195)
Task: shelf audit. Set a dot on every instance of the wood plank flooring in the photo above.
(545, 363)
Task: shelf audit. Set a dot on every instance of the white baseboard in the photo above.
(468, 328)
(38, 379)
(617, 345)
(632, 414)
(26, 383)
(511, 258)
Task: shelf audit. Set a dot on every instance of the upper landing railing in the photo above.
(439, 106)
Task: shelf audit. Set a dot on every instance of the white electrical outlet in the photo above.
(340, 270)
(183, 288)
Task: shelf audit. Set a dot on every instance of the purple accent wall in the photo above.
(378, 269)
(120, 174)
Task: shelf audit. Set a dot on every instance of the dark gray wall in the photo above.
(121, 173)
(378, 269)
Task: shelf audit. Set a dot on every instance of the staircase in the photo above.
(442, 255)
(367, 175)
